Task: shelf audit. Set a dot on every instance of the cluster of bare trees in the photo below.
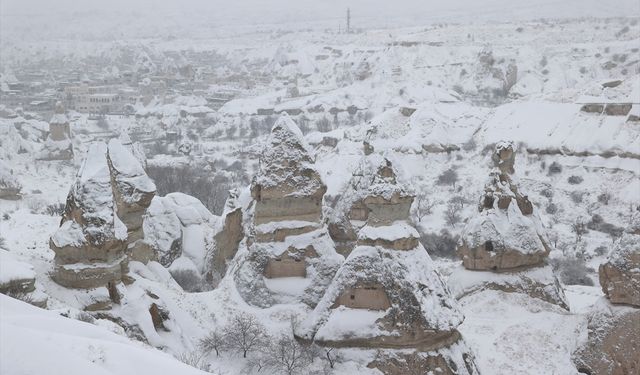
(245, 335)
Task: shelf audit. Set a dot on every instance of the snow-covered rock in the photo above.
(620, 275)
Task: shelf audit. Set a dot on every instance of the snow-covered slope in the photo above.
(36, 341)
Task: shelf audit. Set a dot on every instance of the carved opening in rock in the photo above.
(488, 246)
(584, 371)
(286, 266)
(371, 297)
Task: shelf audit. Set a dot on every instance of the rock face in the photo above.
(613, 336)
(506, 234)
(102, 222)
(133, 191)
(373, 201)
(613, 341)
(91, 241)
(227, 240)
(284, 233)
(391, 296)
(620, 275)
(507, 238)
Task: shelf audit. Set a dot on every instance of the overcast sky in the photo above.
(195, 16)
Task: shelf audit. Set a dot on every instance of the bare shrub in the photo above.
(554, 168)
(551, 208)
(576, 196)
(193, 359)
(323, 125)
(448, 177)
(442, 245)
(3, 242)
(192, 180)
(84, 316)
(579, 228)
(572, 271)
(54, 209)
(575, 180)
(469, 145)
(604, 197)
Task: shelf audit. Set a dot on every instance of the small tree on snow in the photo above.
(245, 333)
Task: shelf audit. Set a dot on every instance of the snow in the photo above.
(128, 167)
(345, 323)
(395, 231)
(69, 234)
(66, 346)
(12, 269)
(514, 334)
(292, 286)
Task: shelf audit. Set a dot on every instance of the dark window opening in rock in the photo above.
(353, 296)
(584, 371)
(298, 260)
(488, 246)
(278, 260)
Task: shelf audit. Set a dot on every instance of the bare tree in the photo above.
(458, 201)
(287, 356)
(244, 333)
(579, 228)
(451, 215)
(214, 341)
(424, 206)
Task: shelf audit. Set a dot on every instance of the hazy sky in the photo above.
(146, 18)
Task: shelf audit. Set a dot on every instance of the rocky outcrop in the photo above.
(287, 186)
(620, 275)
(507, 238)
(284, 233)
(613, 341)
(390, 294)
(91, 241)
(101, 227)
(506, 234)
(613, 331)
